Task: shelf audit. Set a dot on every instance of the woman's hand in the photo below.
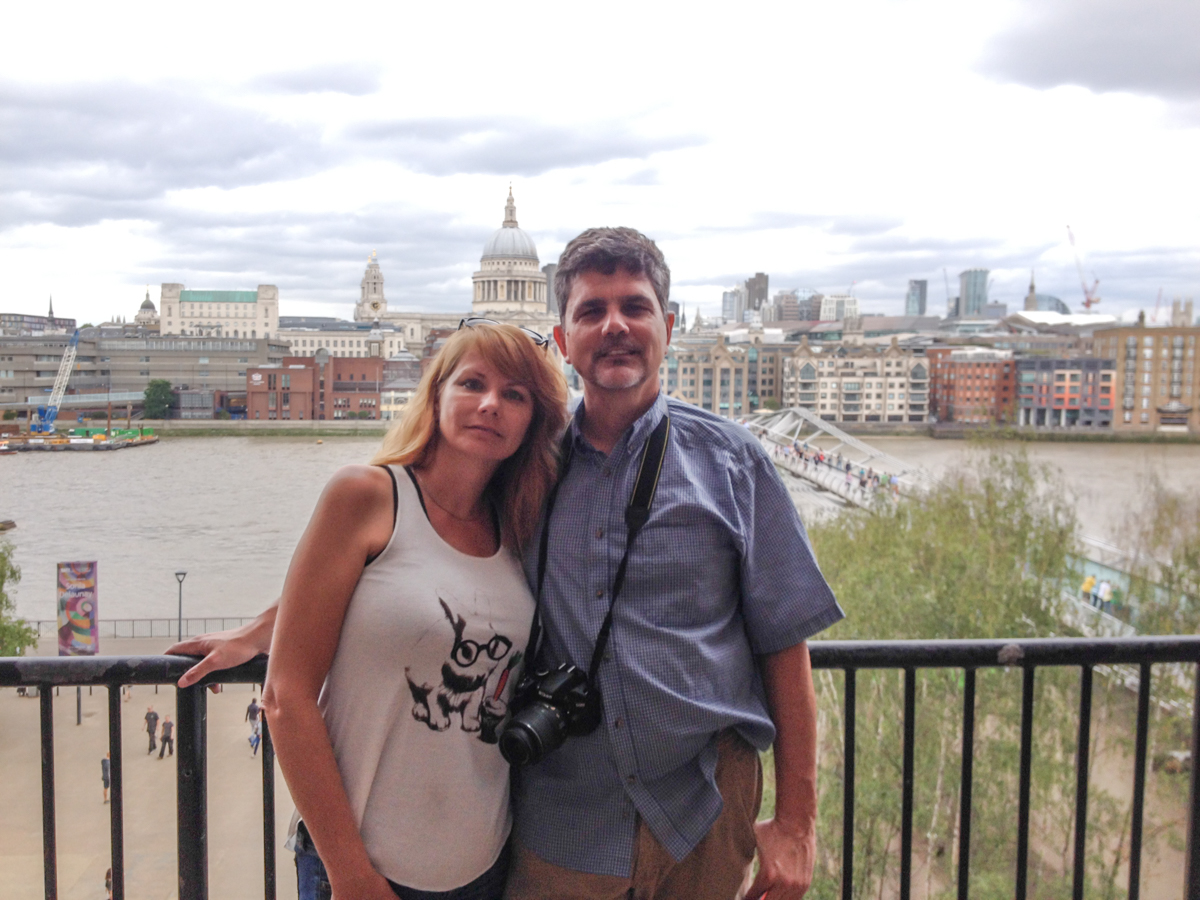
(226, 649)
(370, 886)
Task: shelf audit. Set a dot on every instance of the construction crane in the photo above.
(48, 413)
(1089, 294)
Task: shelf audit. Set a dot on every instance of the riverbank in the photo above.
(169, 428)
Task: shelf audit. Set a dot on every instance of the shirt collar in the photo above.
(634, 437)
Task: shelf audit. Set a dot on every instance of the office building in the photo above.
(838, 307)
(733, 304)
(1066, 393)
(1156, 375)
(972, 292)
(914, 301)
(218, 314)
(757, 289)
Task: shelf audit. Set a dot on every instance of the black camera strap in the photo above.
(636, 515)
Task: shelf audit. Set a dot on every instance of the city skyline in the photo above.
(289, 167)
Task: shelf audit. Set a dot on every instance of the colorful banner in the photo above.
(78, 617)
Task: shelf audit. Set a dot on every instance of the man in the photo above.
(106, 773)
(254, 717)
(706, 663)
(151, 727)
(168, 736)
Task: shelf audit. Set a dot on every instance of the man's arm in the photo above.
(787, 843)
(226, 649)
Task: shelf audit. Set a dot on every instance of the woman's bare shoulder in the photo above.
(359, 487)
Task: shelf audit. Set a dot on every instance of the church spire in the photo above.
(1031, 297)
(51, 313)
(510, 211)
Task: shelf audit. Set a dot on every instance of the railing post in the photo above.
(906, 784)
(116, 807)
(268, 762)
(848, 787)
(1191, 886)
(191, 790)
(49, 839)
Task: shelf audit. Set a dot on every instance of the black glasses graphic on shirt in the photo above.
(465, 652)
(540, 339)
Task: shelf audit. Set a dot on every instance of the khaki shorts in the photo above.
(715, 870)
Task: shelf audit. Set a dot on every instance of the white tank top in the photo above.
(429, 653)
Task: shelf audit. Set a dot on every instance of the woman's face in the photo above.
(482, 414)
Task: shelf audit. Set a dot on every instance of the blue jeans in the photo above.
(313, 881)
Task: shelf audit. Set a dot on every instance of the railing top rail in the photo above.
(971, 654)
(109, 670)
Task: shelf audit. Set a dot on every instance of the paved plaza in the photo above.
(235, 846)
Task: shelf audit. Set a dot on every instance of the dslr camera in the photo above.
(548, 706)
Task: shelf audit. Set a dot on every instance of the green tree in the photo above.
(15, 634)
(984, 554)
(160, 398)
(10, 414)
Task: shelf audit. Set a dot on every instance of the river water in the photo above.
(230, 510)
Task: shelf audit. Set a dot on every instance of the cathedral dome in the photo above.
(148, 304)
(509, 241)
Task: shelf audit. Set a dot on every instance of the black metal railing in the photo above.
(848, 656)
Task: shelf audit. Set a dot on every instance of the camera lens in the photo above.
(532, 733)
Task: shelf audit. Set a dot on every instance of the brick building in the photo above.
(974, 385)
(315, 387)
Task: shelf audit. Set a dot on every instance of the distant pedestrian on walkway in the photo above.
(106, 773)
(151, 728)
(255, 735)
(1086, 588)
(108, 882)
(168, 736)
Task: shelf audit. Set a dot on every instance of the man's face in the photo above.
(614, 332)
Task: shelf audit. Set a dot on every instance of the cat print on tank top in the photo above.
(474, 675)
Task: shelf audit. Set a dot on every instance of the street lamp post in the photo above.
(179, 576)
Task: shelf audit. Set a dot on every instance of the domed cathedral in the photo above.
(371, 302)
(510, 286)
(147, 315)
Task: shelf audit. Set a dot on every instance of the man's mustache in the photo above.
(619, 345)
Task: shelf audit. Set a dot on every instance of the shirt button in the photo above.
(599, 532)
(631, 779)
(599, 593)
(608, 473)
(617, 722)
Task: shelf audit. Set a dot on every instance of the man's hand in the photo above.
(226, 649)
(785, 861)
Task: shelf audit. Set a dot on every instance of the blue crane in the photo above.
(48, 413)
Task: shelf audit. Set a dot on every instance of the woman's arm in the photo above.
(352, 521)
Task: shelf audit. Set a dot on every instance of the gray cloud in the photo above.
(338, 78)
(506, 146)
(77, 154)
(1148, 47)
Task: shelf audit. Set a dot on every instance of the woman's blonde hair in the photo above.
(522, 482)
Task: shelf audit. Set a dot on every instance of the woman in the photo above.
(403, 616)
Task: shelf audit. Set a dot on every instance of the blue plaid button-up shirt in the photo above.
(721, 573)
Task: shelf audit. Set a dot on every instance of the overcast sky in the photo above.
(829, 145)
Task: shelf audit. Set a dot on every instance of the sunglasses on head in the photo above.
(539, 339)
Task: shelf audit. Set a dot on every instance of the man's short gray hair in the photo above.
(604, 250)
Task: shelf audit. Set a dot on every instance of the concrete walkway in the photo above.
(235, 844)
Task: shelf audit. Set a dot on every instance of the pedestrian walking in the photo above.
(168, 736)
(108, 882)
(254, 717)
(151, 728)
(106, 773)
